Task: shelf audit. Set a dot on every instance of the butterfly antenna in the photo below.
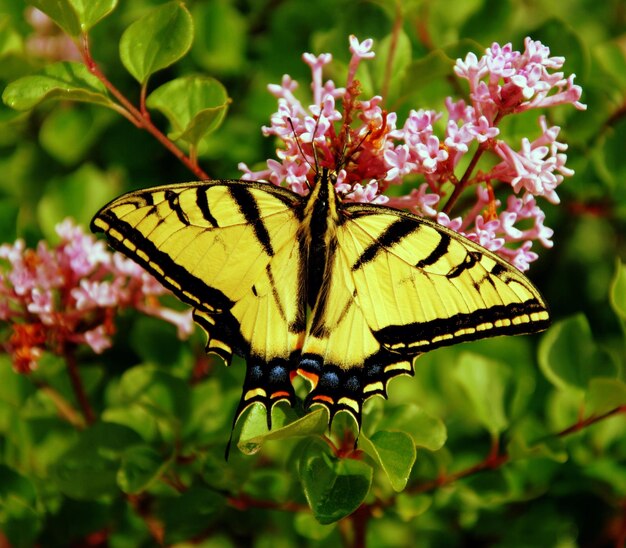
(295, 136)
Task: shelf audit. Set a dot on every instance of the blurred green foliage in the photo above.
(491, 443)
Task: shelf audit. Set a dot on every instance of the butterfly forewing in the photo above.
(228, 249)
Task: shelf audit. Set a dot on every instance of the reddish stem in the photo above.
(139, 118)
(584, 423)
(77, 385)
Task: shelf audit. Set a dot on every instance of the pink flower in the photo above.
(368, 149)
(69, 294)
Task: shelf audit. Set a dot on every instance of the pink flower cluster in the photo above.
(364, 144)
(69, 295)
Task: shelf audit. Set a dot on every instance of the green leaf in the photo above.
(334, 488)
(484, 383)
(617, 295)
(254, 431)
(89, 469)
(394, 452)
(75, 16)
(569, 357)
(427, 431)
(66, 81)
(605, 394)
(141, 466)
(156, 40)
(530, 439)
(189, 514)
(194, 105)
(162, 395)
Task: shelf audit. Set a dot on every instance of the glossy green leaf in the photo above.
(75, 16)
(141, 465)
(254, 431)
(569, 358)
(334, 488)
(427, 431)
(66, 81)
(156, 40)
(394, 452)
(194, 106)
(484, 383)
(617, 293)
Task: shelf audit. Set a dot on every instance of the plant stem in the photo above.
(64, 408)
(393, 45)
(584, 423)
(465, 179)
(137, 116)
(77, 385)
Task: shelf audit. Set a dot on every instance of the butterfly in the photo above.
(346, 295)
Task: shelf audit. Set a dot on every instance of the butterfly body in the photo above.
(344, 294)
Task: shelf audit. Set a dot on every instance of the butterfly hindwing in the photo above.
(227, 248)
(401, 286)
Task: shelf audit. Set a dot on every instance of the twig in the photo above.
(465, 179)
(64, 408)
(77, 384)
(139, 118)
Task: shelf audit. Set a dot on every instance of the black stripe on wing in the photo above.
(187, 287)
(510, 319)
(249, 208)
(394, 233)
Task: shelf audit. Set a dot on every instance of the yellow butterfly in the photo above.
(344, 294)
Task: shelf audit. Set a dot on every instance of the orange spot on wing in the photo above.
(282, 394)
(326, 399)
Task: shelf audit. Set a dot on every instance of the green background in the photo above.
(513, 428)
